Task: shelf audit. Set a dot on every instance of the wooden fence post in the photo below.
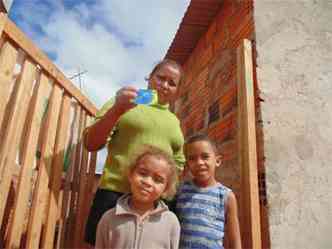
(250, 210)
(3, 19)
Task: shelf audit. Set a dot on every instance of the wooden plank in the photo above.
(60, 223)
(81, 203)
(91, 188)
(15, 34)
(29, 153)
(67, 175)
(250, 210)
(41, 192)
(74, 204)
(7, 215)
(57, 167)
(76, 149)
(11, 137)
(68, 190)
(90, 191)
(3, 20)
(8, 56)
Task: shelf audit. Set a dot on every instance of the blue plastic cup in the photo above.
(144, 97)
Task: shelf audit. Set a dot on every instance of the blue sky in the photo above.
(116, 41)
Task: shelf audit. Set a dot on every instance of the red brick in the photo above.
(228, 100)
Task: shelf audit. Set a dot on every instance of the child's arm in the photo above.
(175, 234)
(232, 227)
(101, 239)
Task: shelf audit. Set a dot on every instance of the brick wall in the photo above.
(208, 98)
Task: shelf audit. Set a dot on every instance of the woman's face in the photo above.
(165, 81)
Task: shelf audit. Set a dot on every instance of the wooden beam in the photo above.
(74, 203)
(82, 198)
(68, 191)
(8, 57)
(3, 20)
(54, 204)
(11, 138)
(16, 35)
(250, 209)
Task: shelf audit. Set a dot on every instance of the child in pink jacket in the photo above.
(140, 219)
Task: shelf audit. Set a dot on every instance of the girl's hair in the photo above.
(148, 150)
(168, 62)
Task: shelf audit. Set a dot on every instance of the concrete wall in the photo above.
(294, 46)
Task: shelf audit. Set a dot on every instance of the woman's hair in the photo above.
(168, 62)
(148, 150)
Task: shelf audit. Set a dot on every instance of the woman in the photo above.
(125, 127)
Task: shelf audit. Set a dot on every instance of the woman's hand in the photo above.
(96, 135)
(124, 100)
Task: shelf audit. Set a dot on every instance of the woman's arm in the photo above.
(96, 135)
(232, 227)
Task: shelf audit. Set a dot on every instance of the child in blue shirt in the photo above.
(207, 210)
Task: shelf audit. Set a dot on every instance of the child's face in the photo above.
(165, 81)
(149, 179)
(202, 162)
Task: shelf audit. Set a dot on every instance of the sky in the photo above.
(115, 42)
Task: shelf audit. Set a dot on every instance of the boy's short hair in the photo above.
(149, 150)
(200, 137)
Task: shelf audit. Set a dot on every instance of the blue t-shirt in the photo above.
(201, 212)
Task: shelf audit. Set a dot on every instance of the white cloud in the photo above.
(116, 41)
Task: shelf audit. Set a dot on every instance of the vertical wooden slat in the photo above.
(57, 167)
(91, 169)
(76, 180)
(68, 190)
(76, 159)
(29, 153)
(80, 219)
(60, 221)
(93, 181)
(90, 182)
(14, 129)
(251, 231)
(8, 56)
(41, 190)
(3, 20)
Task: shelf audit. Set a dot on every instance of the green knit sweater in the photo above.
(153, 125)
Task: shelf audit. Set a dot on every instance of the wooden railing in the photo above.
(46, 176)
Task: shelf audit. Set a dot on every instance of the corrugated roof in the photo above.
(196, 21)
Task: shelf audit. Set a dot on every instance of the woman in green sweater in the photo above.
(125, 127)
